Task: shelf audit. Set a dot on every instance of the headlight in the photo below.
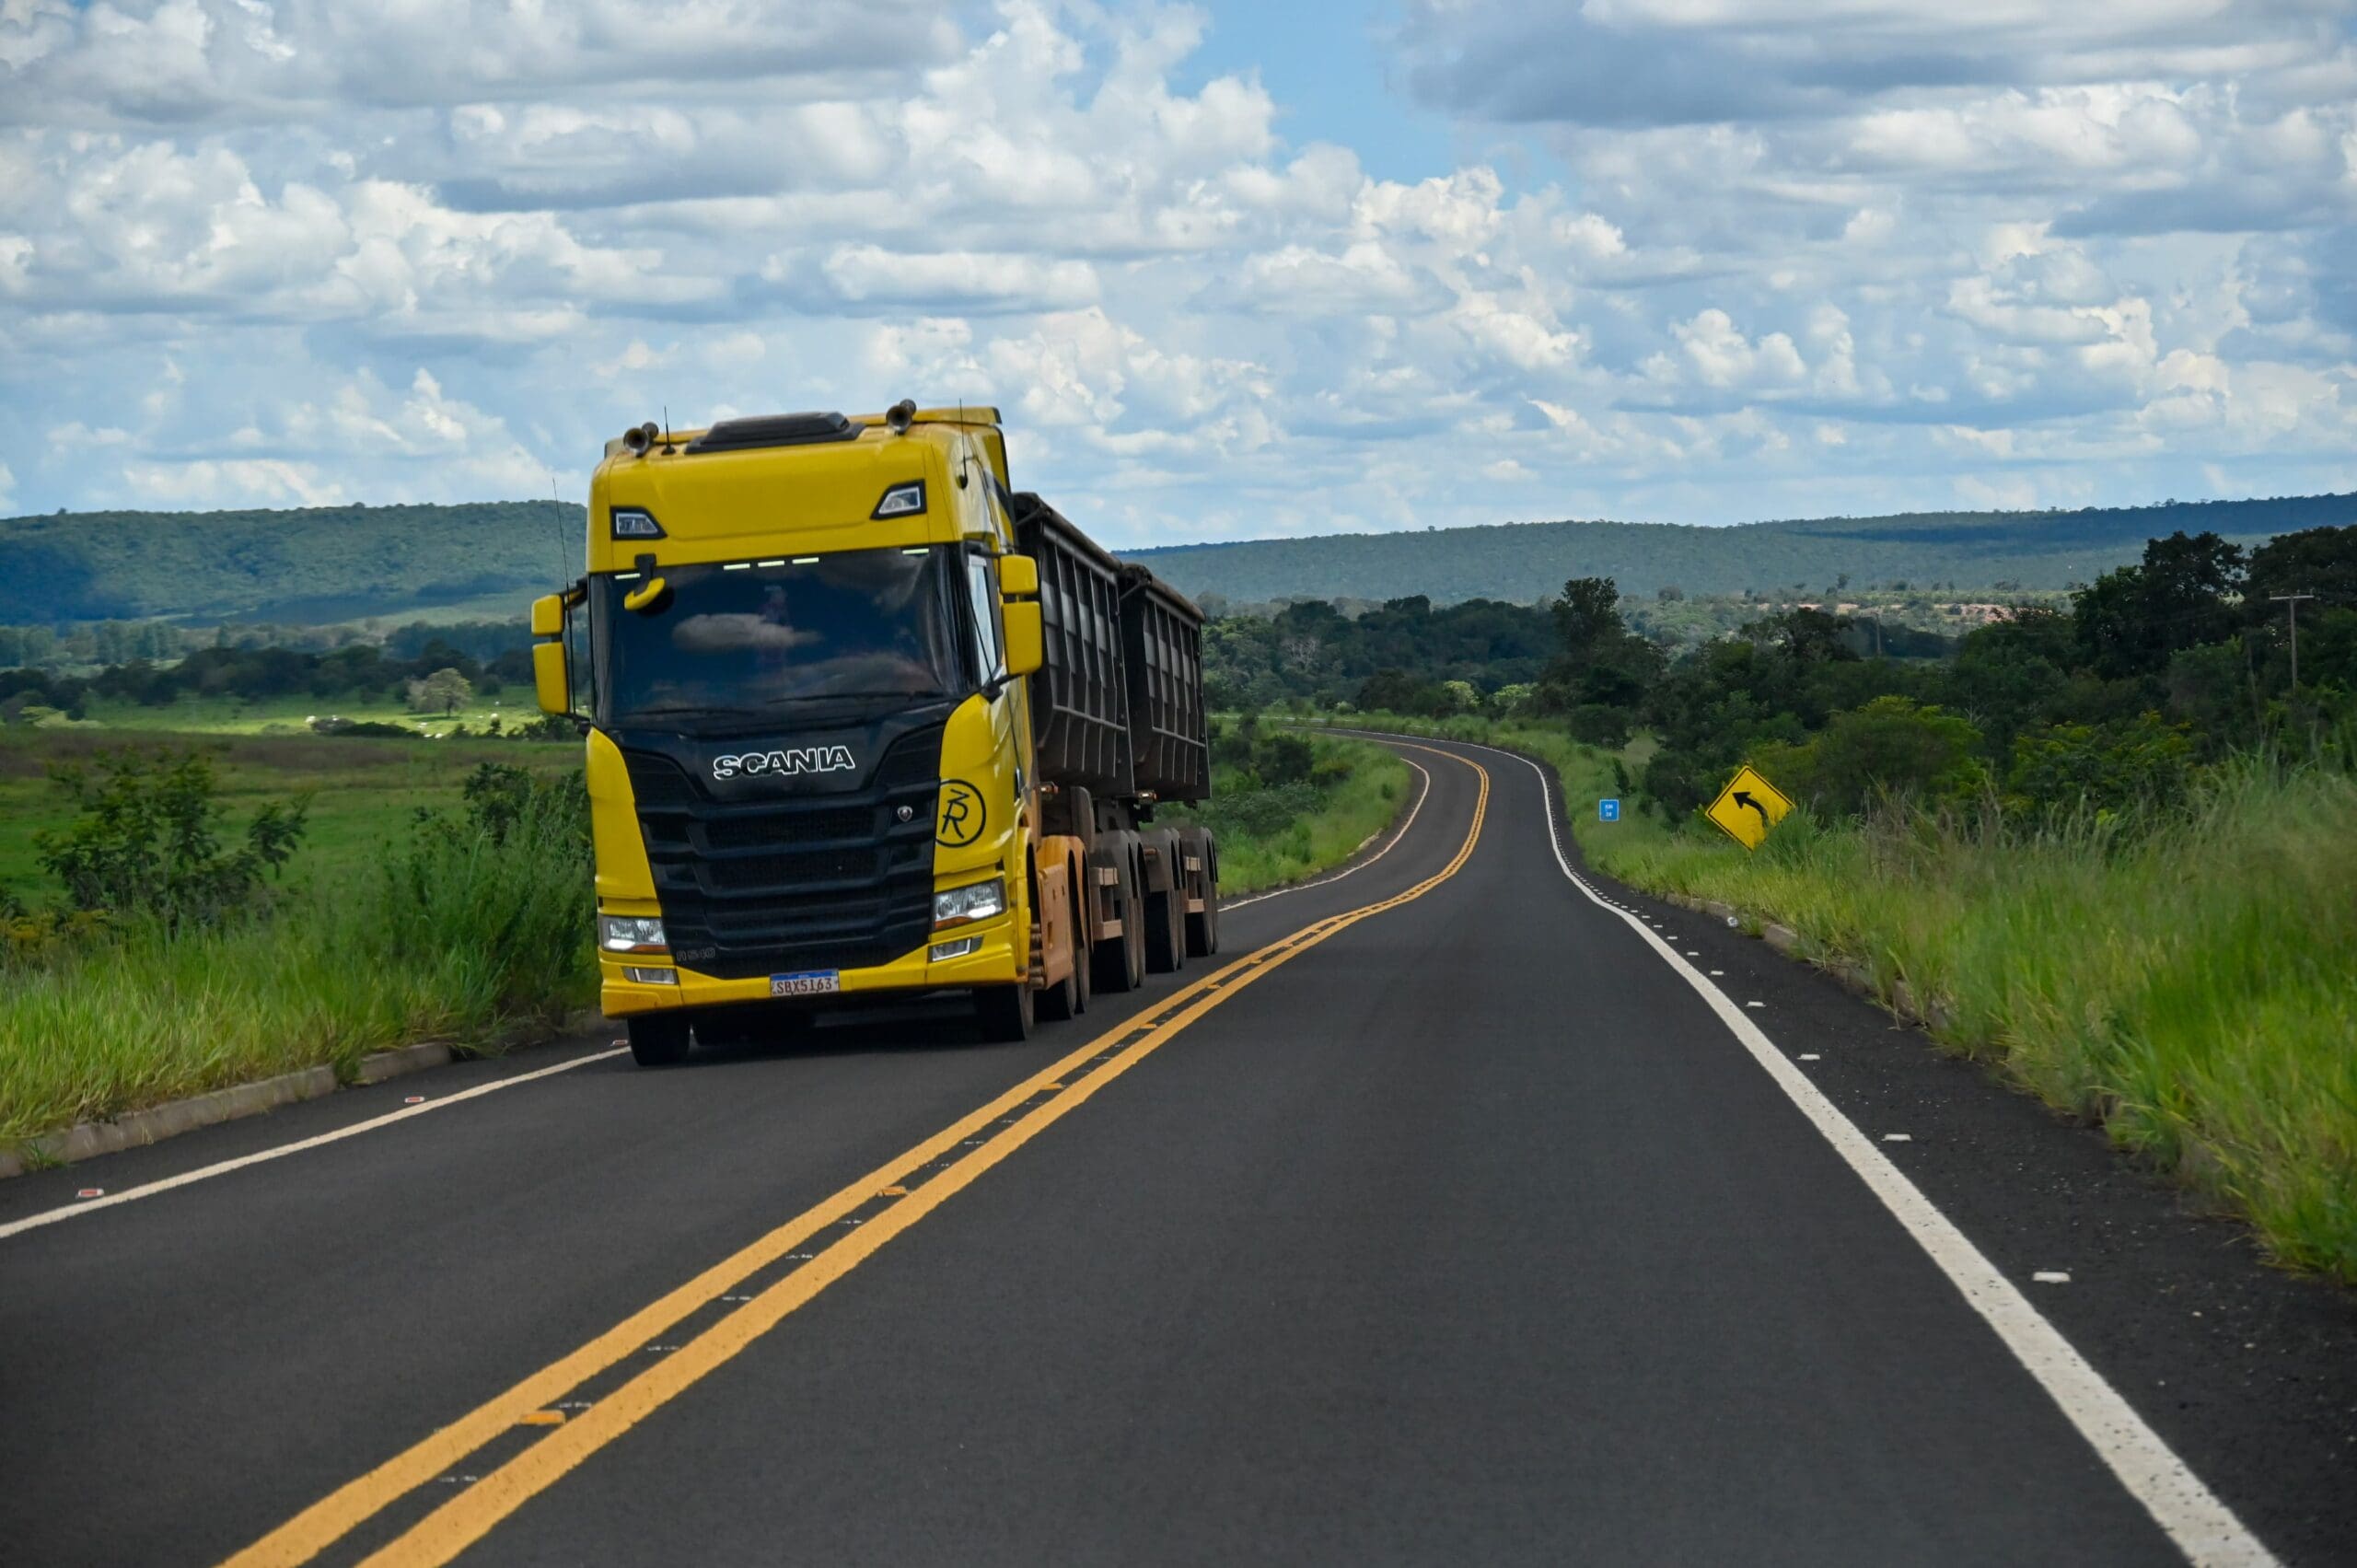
(960, 906)
(629, 522)
(631, 933)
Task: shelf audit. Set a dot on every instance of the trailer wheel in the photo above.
(658, 1040)
(1203, 930)
(1166, 930)
(1006, 1011)
(1121, 963)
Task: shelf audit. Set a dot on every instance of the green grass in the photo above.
(444, 935)
(2190, 985)
(1254, 856)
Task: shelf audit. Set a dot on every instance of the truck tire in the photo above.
(1203, 930)
(1166, 931)
(1070, 1000)
(1006, 1011)
(1121, 963)
(658, 1040)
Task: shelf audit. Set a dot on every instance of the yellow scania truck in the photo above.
(862, 721)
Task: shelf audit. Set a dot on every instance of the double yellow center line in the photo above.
(863, 1217)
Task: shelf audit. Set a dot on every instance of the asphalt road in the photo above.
(1450, 1215)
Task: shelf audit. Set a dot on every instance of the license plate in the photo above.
(810, 983)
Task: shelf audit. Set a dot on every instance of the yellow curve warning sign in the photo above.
(1748, 808)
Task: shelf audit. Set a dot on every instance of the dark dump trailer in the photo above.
(1117, 727)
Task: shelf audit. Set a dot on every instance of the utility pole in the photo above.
(2290, 603)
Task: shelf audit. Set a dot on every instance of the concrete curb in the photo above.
(137, 1128)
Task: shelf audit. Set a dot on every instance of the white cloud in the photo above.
(1712, 261)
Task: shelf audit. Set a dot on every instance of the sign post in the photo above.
(1748, 808)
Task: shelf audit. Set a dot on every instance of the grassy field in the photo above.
(2185, 982)
(1267, 842)
(363, 791)
(293, 716)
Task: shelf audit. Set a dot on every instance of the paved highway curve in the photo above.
(1448, 1214)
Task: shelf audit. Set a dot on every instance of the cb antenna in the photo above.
(564, 557)
(667, 448)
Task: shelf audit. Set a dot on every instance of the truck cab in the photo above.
(802, 658)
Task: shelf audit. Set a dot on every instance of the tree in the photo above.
(2130, 620)
(1588, 612)
(2322, 562)
(444, 692)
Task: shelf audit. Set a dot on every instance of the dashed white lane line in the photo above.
(2193, 1517)
(223, 1167)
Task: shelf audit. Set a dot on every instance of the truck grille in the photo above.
(765, 887)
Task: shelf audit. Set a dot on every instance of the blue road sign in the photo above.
(1607, 811)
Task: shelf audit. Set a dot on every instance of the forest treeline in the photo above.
(311, 566)
(316, 566)
(356, 672)
(1525, 563)
(2155, 667)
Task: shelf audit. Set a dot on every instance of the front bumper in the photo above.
(995, 962)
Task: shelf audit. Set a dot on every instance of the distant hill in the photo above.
(1523, 562)
(303, 567)
(323, 565)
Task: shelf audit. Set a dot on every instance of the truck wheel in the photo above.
(658, 1040)
(1166, 931)
(1121, 963)
(1006, 1012)
(1070, 1000)
(1203, 930)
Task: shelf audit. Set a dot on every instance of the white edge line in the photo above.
(1398, 833)
(131, 1194)
(2193, 1517)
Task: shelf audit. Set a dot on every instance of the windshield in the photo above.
(751, 639)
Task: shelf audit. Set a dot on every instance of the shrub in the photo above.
(1892, 746)
(1282, 757)
(1600, 725)
(148, 838)
(2106, 768)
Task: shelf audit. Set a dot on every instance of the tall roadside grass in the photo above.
(456, 934)
(2190, 980)
(1271, 834)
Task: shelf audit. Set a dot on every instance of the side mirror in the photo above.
(1026, 640)
(552, 664)
(553, 678)
(1019, 576)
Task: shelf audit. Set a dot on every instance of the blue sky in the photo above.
(1232, 271)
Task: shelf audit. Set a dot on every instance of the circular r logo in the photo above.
(963, 815)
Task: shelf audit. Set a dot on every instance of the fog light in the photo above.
(650, 977)
(941, 951)
(631, 933)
